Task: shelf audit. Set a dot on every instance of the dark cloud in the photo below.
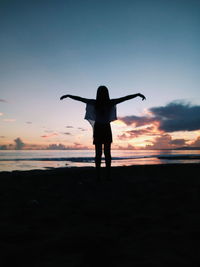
(82, 129)
(3, 100)
(67, 133)
(178, 142)
(165, 141)
(28, 122)
(69, 127)
(137, 121)
(175, 116)
(19, 144)
(136, 133)
(178, 117)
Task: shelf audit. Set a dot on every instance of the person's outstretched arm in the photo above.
(78, 98)
(125, 98)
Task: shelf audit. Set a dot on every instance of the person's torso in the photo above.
(103, 114)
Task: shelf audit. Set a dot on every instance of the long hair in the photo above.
(102, 97)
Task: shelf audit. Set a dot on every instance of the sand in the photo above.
(145, 216)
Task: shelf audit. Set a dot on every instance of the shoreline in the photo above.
(103, 167)
(29, 160)
(147, 215)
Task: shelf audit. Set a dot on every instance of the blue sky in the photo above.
(50, 48)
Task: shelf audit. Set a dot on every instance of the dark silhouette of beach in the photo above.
(145, 216)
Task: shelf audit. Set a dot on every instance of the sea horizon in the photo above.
(20, 160)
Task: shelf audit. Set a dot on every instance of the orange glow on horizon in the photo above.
(124, 137)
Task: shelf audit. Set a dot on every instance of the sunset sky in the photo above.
(50, 48)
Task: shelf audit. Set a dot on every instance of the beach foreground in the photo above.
(146, 216)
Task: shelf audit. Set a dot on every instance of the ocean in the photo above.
(11, 160)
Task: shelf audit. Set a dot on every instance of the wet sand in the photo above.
(145, 216)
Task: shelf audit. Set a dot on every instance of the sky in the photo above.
(51, 48)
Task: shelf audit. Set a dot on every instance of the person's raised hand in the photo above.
(142, 96)
(62, 97)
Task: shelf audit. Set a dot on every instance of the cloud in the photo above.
(178, 117)
(128, 147)
(175, 116)
(165, 141)
(196, 143)
(28, 122)
(49, 135)
(82, 129)
(137, 133)
(178, 142)
(3, 100)
(79, 146)
(67, 133)
(69, 127)
(19, 144)
(137, 121)
(1, 114)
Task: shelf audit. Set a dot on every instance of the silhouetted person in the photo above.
(100, 113)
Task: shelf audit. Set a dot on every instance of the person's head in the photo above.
(102, 95)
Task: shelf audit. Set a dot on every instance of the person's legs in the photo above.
(107, 154)
(98, 152)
